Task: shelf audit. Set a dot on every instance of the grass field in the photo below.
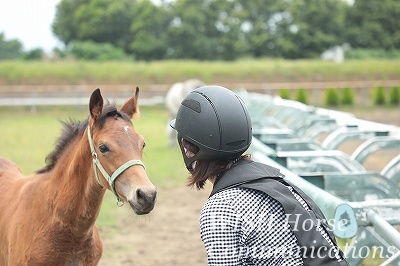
(168, 72)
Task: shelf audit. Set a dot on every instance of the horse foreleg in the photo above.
(91, 255)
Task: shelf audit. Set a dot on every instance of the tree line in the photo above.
(226, 29)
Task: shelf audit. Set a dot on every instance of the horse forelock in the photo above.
(72, 129)
(110, 110)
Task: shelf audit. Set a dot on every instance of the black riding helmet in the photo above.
(216, 120)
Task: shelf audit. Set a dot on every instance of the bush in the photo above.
(348, 96)
(284, 93)
(331, 97)
(394, 96)
(301, 96)
(97, 51)
(35, 54)
(60, 53)
(372, 54)
(379, 96)
(10, 50)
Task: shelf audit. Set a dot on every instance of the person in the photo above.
(253, 215)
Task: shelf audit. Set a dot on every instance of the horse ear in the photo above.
(96, 104)
(130, 107)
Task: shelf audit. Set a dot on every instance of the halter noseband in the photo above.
(110, 179)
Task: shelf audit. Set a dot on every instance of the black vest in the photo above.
(316, 248)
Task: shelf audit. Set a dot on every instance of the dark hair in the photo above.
(207, 169)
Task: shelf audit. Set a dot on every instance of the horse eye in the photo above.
(144, 145)
(103, 148)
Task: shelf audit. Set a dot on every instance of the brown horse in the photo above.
(48, 218)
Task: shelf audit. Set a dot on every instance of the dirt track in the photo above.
(170, 234)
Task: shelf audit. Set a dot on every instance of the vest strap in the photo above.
(308, 223)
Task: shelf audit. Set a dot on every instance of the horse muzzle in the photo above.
(144, 200)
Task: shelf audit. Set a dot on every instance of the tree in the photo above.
(11, 49)
(259, 21)
(102, 21)
(309, 27)
(374, 24)
(227, 30)
(193, 32)
(148, 31)
(229, 23)
(207, 30)
(65, 26)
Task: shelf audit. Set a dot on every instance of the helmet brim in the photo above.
(172, 124)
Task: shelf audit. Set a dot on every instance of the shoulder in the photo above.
(231, 198)
(240, 202)
(220, 206)
(239, 197)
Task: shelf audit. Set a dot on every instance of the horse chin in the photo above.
(140, 210)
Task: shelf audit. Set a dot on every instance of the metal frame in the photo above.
(374, 144)
(369, 201)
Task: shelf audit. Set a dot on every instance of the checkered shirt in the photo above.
(241, 226)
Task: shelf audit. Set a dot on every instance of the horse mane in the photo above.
(72, 129)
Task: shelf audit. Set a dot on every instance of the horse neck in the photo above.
(77, 196)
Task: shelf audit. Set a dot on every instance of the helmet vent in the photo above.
(235, 143)
(192, 104)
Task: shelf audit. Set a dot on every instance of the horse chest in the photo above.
(60, 247)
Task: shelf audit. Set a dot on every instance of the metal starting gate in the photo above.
(362, 205)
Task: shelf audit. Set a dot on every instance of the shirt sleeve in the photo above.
(220, 232)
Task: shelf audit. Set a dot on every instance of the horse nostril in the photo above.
(140, 195)
(145, 196)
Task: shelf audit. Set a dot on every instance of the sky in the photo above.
(29, 21)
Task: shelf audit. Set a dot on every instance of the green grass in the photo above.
(27, 138)
(165, 72)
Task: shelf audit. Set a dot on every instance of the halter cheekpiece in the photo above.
(110, 179)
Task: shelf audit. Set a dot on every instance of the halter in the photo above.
(110, 179)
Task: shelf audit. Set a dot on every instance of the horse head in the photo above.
(117, 150)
